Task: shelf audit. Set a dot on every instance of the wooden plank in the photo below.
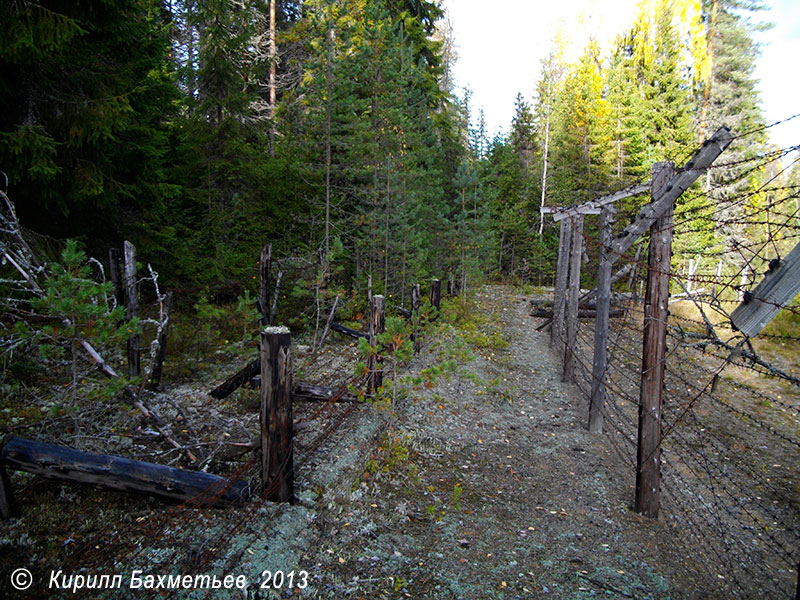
(131, 307)
(566, 213)
(634, 190)
(780, 286)
(277, 463)
(573, 293)
(121, 474)
(560, 289)
(235, 381)
(354, 333)
(594, 207)
(600, 359)
(678, 183)
(648, 455)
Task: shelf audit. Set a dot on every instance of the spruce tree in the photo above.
(86, 96)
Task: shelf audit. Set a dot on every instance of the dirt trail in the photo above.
(502, 493)
(484, 484)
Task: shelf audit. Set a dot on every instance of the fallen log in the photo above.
(401, 311)
(235, 381)
(348, 331)
(121, 474)
(583, 313)
(311, 392)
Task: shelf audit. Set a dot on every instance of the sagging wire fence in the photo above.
(695, 379)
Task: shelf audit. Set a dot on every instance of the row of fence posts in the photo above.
(276, 419)
(666, 186)
(276, 414)
(565, 328)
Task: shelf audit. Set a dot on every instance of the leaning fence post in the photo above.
(415, 304)
(648, 454)
(277, 464)
(132, 307)
(560, 286)
(601, 324)
(377, 322)
(573, 292)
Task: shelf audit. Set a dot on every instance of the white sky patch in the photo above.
(501, 46)
(777, 68)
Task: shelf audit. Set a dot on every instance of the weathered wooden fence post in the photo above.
(573, 293)
(560, 289)
(264, 268)
(131, 307)
(158, 364)
(115, 273)
(436, 297)
(416, 300)
(600, 361)
(277, 463)
(648, 454)
(377, 323)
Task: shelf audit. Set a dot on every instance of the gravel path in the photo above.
(489, 486)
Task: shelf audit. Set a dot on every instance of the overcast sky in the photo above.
(501, 45)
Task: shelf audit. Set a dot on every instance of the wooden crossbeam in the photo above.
(594, 207)
(677, 184)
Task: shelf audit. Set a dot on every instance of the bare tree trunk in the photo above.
(386, 230)
(545, 157)
(328, 108)
(272, 95)
(132, 308)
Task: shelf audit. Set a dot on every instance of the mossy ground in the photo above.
(476, 480)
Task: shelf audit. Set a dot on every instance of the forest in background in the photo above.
(202, 129)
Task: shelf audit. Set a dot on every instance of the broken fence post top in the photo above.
(276, 329)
